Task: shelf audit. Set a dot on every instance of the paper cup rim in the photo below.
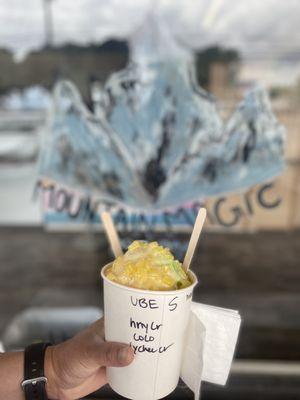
(153, 292)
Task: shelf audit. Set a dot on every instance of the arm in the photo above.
(74, 368)
(11, 373)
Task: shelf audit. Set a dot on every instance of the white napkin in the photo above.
(211, 339)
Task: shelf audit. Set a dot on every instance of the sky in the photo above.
(260, 29)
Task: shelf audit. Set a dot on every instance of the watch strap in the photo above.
(34, 376)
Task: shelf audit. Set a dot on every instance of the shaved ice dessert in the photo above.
(148, 266)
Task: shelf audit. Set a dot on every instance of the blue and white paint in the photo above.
(159, 142)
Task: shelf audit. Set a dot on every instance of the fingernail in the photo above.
(123, 354)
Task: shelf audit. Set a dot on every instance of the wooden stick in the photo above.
(194, 238)
(111, 233)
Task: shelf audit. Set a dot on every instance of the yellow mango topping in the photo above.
(148, 266)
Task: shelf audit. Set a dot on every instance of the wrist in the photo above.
(49, 367)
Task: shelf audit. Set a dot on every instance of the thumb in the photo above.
(113, 354)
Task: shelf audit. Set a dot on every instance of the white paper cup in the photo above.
(154, 323)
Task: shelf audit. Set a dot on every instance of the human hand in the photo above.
(76, 367)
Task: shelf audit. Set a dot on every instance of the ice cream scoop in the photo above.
(148, 266)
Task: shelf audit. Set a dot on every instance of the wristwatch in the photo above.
(34, 378)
